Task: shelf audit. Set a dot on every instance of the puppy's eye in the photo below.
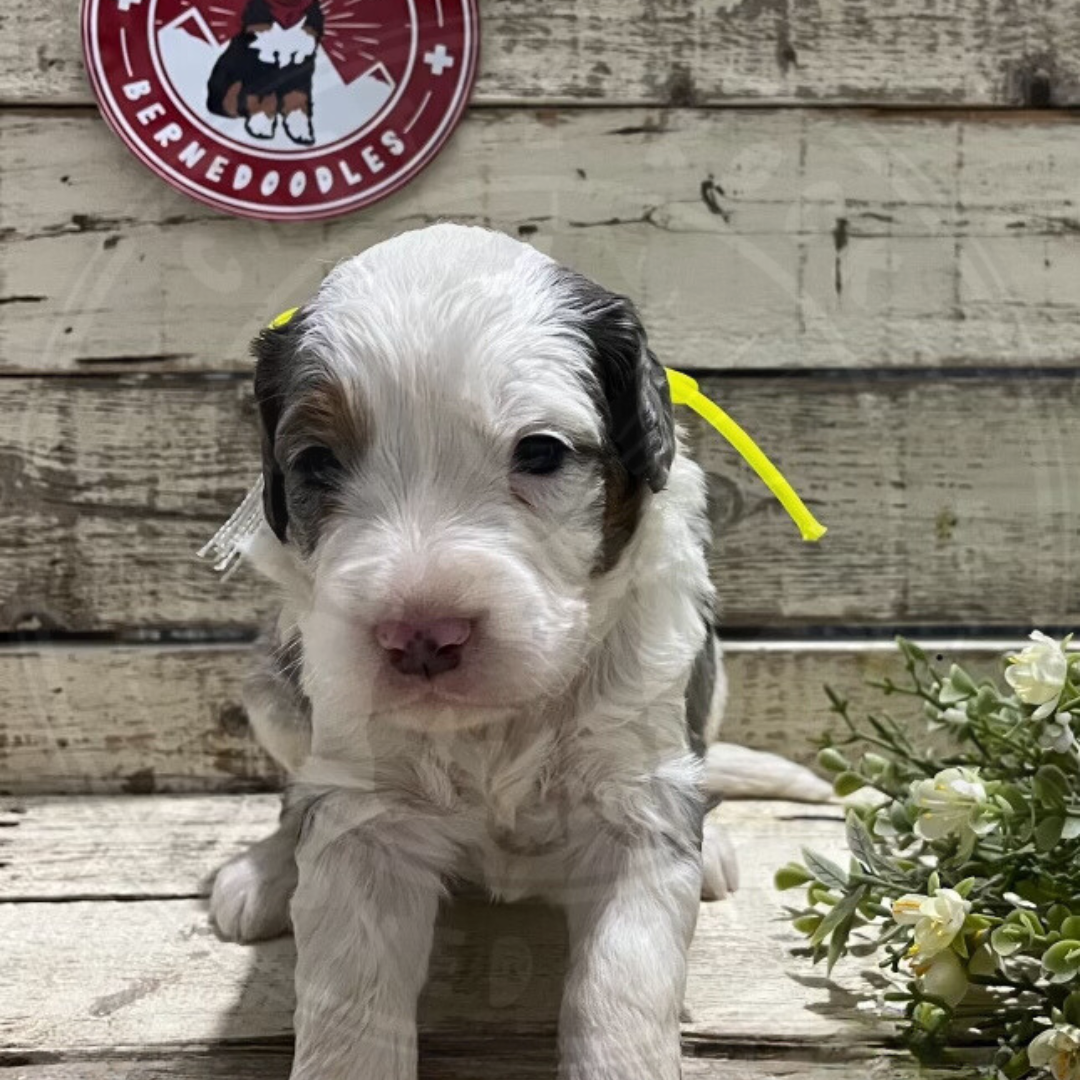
(539, 455)
(316, 465)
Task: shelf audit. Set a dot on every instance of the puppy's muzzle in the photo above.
(426, 647)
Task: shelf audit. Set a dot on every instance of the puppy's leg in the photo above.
(250, 898)
(296, 108)
(261, 122)
(631, 914)
(364, 916)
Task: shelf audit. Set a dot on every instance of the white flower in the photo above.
(954, 801)
(937, 919)
(1057, 1050)
(1057, 735)
(1038, 674)
(943, 976)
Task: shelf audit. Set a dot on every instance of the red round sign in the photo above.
(283, 109)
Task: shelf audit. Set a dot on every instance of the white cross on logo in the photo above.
(438, 59)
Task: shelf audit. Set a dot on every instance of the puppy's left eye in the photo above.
(539, 455)
(317, 465)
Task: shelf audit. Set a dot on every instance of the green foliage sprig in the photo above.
(964, 877)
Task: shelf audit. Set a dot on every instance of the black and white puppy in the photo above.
(495, 660)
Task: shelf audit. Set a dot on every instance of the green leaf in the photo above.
(1056, 916)
(847, 783)
(860, 841)
(825, 870)
(1051, 787)
(791, 876)
(1048, 832)
(911, 650)
(1016, 798)
(1009, 939)
(874, 764)
(831, 760)
(900, 817)
(839, 913)
(933, 883)
(962, 680)
(1017, 1066)
(1070, 927)
(838, 703)
(817, 893)
(1070, 1008)
(1062, 960)
(837, 943)
(1031, 921)
(807, 924)
(963, 888)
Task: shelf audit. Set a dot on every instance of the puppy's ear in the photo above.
(276, 355)
(633, 384)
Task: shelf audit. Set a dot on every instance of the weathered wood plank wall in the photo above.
(751, 238)
(167, 718)
(879, 263)
(676, 53)
(119, 481)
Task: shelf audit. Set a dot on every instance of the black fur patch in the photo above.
(302, 407)
(699, 693)
(631, 393)
(276, 355)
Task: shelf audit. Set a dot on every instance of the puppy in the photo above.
(494, 661)
(267, 68)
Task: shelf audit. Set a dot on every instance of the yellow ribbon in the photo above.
(283, 319)
(684, 391)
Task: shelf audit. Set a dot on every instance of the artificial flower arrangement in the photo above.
(965, 862)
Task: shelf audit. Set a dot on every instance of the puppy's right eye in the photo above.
(539, 455)
(317, 465)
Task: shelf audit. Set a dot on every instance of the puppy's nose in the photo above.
(426, 648)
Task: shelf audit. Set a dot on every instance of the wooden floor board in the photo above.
(479, 1060)
(95, 975)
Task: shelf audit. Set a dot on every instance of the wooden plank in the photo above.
(169, 719)
(136, 719)
(749, 239)
(124, 847)
(677, 53)
(107, 975)
(139, 847)
(936, 494)
(475, 1059)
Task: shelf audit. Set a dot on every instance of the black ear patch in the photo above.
(634, 395)
(276, 356)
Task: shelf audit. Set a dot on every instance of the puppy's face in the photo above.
(459, 439)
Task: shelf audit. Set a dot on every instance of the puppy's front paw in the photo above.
(261, 126)
(719, 864)
(298, 128)
(250, 899)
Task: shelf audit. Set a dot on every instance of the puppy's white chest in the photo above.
(515, 809)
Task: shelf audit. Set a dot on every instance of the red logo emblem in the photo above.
(283, 109)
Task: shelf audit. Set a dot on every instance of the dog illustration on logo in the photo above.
(266, 70)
